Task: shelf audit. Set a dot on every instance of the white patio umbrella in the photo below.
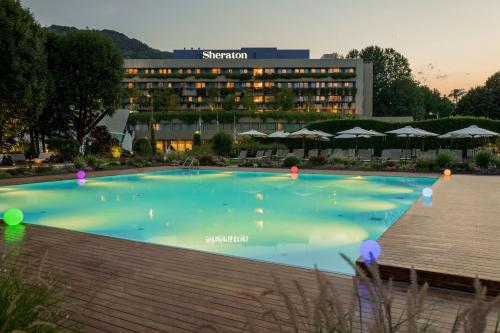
(253, 133)
(324, 134)
(411, 132)
(278, 135)
(358, 132)
(349, 136)
(469, 132)
(304, 134)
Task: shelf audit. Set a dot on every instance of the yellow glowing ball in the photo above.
(13, 216)
(447, 172)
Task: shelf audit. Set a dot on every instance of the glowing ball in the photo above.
(80, 174)
(427, 201)
(81, 182)
(294, 169)
(294, 176)
(13, 216)
(370, 250)
(427, 192)
(259, 196)
(447, 172)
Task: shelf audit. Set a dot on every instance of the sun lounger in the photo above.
(42, 158)
(268, 154)
(470, 154)
(386, 154)
(365, 155)
(458, 155)
(299, 153)
(406, 154)
(281, 153)
(351, 153)
(18, 158)
(395, 155)
(259, 154)
(312, 152)
(326, 153)
(241, 156)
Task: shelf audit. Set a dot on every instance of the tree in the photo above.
(88, 77)
(284, 99)
(22, 70)
(247, 100)
(228, 103)
(493, 83)
(479, 102)
(390, 70)
(401, 98)
(435, 105)
(222, 143)
(456, 94)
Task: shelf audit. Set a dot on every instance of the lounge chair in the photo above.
(259, 154)
(395, 155)
(365, 155)
(281, 153)
(268, 154)
(470, 154)
(458, 155)
(42, 158)
(18, 158)
(312, 152)
(299, 153)
(351, 153)
(386, 154)
(406, 154)
(326, 153)
(242, 155)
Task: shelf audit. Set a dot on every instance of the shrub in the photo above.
(206, 160)
(101, 141)
(484, 158)
(196, 138)
(317, 160)
(65, 149)
(79, 162)
(425, 164)
(142, 147)
(222, 144)
(445, 159)
(337, 159)
(177, 156)
(291, 161)
(95, 162)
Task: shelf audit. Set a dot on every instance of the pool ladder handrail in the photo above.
(189, 163)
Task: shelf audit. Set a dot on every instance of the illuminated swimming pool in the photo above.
(266, 216)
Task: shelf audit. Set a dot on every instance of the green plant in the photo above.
(445, 159)
(222, 144)
(142, 147)
(79, 162)
(65, 149)
(197, 138)
(95, 162)
(101, 141)
(177, 156)
(206, 160)
(484, 158)
(31, 302)
(317, 160)
(338, 159)
(425, 164)
(291, 161)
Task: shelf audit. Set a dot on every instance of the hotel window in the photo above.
(160, 84)
(283, 71)
(301, 70)
(149, 85)
(179, 71)
(351, 70)
(313, 70)
(346, 84)
(188, 71)
(257, 85)
(335, 84)
(258, 99)
(200, 99)
(169, 84)
(169, 71)
(289, 84)
(230, 85)
(279, 84)
(152, 71)
(322, 70)
(269, 70)
(130, 85)
(215, 70)
(268, 84)
(268, 99)
(258, 71)
(197, 71)
(237, 99)
(336, 70)
(296, 70)
(200, 85)
(146, 71)
(190, 99)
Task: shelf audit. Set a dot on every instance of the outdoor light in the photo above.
(370, 250)
(80, 174)
(294, 169)
(13, 216)
(447, 172)
(427, 192)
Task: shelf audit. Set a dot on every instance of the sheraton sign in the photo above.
(224, 55)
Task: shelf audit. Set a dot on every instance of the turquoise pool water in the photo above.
(303, 222)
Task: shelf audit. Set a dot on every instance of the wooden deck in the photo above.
(452, 241)
(124, 286)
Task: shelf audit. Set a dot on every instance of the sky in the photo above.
(449, 43)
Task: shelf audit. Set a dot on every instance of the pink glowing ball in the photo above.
(80, 174)
(294, 169)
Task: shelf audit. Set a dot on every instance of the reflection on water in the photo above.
(304, 221)
(13, 233)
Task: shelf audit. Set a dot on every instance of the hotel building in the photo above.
(203, 78)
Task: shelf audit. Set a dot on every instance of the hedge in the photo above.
(438, 126)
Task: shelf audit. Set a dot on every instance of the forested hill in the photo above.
(130, 47)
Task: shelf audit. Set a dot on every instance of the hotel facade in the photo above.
(204, 78)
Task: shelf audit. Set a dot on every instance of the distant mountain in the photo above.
(130, 48)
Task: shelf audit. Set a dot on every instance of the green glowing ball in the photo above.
(13, 216)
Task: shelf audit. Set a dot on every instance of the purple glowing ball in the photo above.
(370, 250)
(80, 174)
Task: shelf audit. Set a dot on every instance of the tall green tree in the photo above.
(435, 105)
(22, 70)
(391, 70)
(284, 99)
(228, 103)
(479, 102)
(88, 77)
(247, 100)
(456, 94)
(401, 98)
